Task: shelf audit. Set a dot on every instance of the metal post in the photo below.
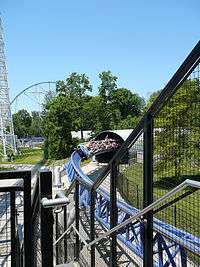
(46, 220)
(77, 219)
(65, 228)
(57, 236)
(13, 230)
(148, 191)
(113, 214)
(27, 221)
(175, 215)
(137, 192)
(92, 226)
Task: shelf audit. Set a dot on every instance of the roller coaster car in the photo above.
(104, 156)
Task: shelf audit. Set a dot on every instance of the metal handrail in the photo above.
(174, 83)
(136, 216)
(71, 187)
(59, 201)
(156, 203)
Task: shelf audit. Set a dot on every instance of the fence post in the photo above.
(77, 219)
(13, 230)
(148, 191)
(113, 214)
(65, 228)
(27, 220)
(92, 225)
(57, 236)
(46, 216)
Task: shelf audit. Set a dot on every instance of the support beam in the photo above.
(148, 191)
(113, 214)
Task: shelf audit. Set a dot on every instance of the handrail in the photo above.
(71, 187)
(174, 83)
(67, 231)
(59, 201)
(156, 203)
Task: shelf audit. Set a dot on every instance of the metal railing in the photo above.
(150, 131)
(168, 134)
(26, 219)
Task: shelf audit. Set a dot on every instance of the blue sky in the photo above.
(142, 42)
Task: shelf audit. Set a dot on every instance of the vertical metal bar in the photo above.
(92, 226)
(65, 228)
(77, 219)
(57, 236)
(113, 214)
(137, 192)
(13, 230)
(175, 217)
(27, 221)
(148, 191)
(46, 220)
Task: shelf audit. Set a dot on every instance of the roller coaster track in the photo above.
(168, 240)
(29, 87)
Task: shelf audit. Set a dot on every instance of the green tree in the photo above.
(57, 126)
(91, 110)
(176, 141)
(126, 107)
(22, 121)
(106, 88)
(36, 124)
(128, 123)
(75, 87)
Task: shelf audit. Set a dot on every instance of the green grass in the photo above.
(6, 169)
(50, 162)
(130, 185)
(27, 156)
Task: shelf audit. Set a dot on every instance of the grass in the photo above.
(184, 214)
(50, 162)
(6, 169)
(27, 156)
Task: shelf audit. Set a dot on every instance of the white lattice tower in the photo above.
(6, 124)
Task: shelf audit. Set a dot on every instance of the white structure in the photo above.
(7, 137)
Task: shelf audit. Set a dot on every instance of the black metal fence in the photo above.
(26, 237)
(162, 158)
(163, 152)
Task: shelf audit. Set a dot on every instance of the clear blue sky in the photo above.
(142, 42)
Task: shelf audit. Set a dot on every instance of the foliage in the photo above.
(75, 87)
(22, 121)
(28, 156)
(26, 124)
(177, 130)
(57, 126)
(152, 98)
(112, 108)
(127, 102)
(35, 127)
(71, 108)
(107, 86)
(128, 123)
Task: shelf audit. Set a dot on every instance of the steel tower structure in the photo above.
(7, 137)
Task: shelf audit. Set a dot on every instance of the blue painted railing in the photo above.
(170, 244)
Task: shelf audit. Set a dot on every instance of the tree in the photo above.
(128, 123)
(91, 110)
(57, 126)
(107, 86)
(176, 141)
(127, 102)
(22, 121)
(36, 124)
(75, 87)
